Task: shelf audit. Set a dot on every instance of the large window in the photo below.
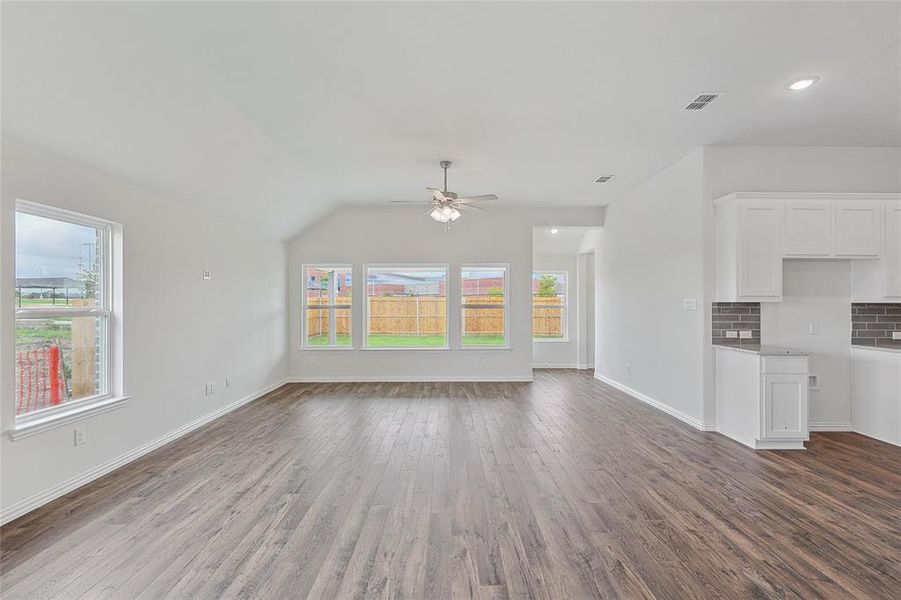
(63, 310)
(328, 300)
(549, 307)
(406, 307)
(484, 306)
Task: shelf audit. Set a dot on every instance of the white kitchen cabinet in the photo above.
(858, 229)
(891, 260)
(756, 231)
(808, 228)
(762, 397)
(749, 251)
(760, 251)
(785, 407)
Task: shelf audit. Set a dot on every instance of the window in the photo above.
(484, 307)
(328, 299)
(64, 312)
(406, 307)
(549, 307)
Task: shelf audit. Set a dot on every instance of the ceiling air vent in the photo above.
(603, 179)
(702, 101)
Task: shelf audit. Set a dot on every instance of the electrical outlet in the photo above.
(896, 335)
(312, 360)
(206, 274)
(813, 328)
(745, 335)
(732, 334)
(629, 368)
(212, 388)
(228, 383)
(78, 436)
(689, 304)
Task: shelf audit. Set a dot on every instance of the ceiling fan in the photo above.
(445, 207)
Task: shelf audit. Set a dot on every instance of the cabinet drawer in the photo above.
(786, 365)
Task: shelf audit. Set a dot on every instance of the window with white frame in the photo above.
(549, 300)
(483, 319)
(328, 306)
(406, 307)
(64, 310)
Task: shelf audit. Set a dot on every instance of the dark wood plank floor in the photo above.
(564, 488)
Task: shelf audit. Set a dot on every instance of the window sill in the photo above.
(485, 348)
(39, 425)
(326, 348)
(548, 341)
(409, 349)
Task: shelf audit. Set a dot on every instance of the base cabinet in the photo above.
(761, 401)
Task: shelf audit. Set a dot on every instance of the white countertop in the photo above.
(763, 350)
(877, 348)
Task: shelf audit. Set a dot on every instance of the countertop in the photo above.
(896, 350)
(763, 350)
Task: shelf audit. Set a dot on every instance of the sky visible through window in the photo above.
(51, 248)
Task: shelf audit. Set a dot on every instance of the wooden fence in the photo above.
(425, 315)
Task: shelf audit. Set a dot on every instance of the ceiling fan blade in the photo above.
(438, 194)
(468, 206)
(482, 198)
(410, 201)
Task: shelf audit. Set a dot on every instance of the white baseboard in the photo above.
(673, 412)
(556, 366)
(8, 513)
(877, 438)
(409, 379)
(827, 426)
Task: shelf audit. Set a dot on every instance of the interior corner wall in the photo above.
(180, 331)
(650, 257)
(560, 354)
(402, 235)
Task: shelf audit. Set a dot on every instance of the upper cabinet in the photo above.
(891, 262)
(858, 229)
(808, 228)
(756, 231)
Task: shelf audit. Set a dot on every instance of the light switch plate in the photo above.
(689, 304)
(896, 335)
(732, 334)
(206, 273)
(813, 328)
(745, 335)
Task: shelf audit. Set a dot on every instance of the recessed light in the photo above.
(554, 231)
(803, 83)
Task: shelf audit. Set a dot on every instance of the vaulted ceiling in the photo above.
(274, 113)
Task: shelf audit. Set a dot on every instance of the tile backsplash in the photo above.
(735, 316)
(872, 324)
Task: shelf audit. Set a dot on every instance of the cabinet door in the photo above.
(808, 229)
(785, 407)
(891, 260)
(760, 250)
(858, 229)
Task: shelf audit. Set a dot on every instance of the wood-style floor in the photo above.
(563, 488)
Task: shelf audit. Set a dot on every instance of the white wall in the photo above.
(403, 234)
(559, 354)
(817, 291)
(179, 331)
(651, 257)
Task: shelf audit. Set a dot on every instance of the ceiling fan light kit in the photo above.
(446, 206)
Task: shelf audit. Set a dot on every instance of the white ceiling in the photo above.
(273, 113)
(565, 242)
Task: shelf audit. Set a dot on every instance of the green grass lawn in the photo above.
(410, 341)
